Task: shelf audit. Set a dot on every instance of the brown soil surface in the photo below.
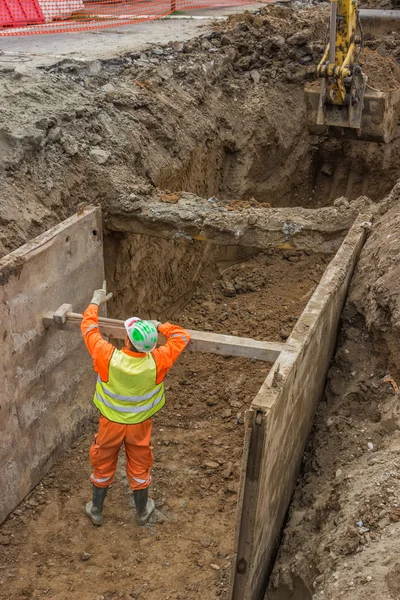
(186, 552)
(342, 538)
(382, 71)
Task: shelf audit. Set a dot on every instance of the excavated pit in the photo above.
(198, 437)
(225, 121)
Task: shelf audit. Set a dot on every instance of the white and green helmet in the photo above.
(142, 334)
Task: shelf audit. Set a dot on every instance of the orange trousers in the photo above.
(106, 446)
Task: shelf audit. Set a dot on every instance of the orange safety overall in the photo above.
(112, 434)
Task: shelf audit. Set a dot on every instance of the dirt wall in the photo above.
(156, 277)
(47, 380)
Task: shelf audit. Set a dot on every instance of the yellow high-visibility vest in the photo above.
(131, 394)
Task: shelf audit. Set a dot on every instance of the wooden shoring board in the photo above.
(201, 341)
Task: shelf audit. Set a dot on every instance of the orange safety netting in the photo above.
(23, 17)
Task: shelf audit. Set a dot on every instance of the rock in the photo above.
(158, 52)
(65, 487)
(235, 404)
(5, 540)
(94, 68)
(215, 567)
(98, 155)
(277, 42)
(228, 289)
(232, 487)
(205, 542)
(342, 201)
(382, 523)
(211, 464)
(96, 139)
(211, 401)
(300, 38)
(108, 88)
(327, 169)
(85, 556)
(46, 123)
(305, 59)
(284, 334)
(70, 145)
(226, 414)
(252, 219)
(142, 62)
(177, 46)
(255, 75)
(226, 473)
(165, 72)
(297, 517)
(54, 134)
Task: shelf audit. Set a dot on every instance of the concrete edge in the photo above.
(28, 249)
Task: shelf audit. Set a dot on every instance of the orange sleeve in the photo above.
(166, 355)
(100, 350)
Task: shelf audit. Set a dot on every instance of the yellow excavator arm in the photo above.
(345, 105)
(340, 55)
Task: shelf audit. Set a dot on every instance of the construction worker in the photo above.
(129, 391)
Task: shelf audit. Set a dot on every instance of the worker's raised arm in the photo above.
(166, 355)
(100, 350)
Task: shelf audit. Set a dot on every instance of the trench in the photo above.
(245, 148)
(261, 151)
(197, 438)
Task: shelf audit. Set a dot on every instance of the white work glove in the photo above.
(155, 323)
(101, 296)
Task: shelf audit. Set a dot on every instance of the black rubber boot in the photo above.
(144, 506)
(94, 509)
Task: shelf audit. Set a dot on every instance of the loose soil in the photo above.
(186, 551)
(383, 72)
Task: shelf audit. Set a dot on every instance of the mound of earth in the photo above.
(220, 115)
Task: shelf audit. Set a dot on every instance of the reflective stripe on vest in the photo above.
(131, 394)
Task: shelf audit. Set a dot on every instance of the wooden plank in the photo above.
(201, 341)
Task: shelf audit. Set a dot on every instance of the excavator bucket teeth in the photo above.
(374, 119)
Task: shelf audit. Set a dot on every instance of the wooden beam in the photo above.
(201, 341)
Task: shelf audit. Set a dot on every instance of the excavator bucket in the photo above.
(374, 118)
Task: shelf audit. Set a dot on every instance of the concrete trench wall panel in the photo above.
(47, 375)
(280, 420)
